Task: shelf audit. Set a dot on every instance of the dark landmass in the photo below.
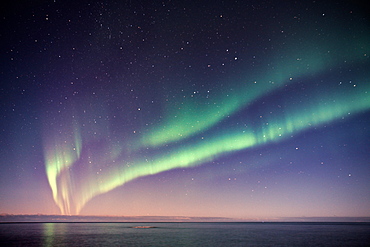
(10, 218)
(143, 227)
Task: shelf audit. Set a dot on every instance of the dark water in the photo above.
(185, 234)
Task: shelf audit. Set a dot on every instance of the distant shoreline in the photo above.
(9, 218)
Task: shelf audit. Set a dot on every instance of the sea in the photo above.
(185, 234)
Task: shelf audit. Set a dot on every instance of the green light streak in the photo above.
(191, 115)
(185, 157)
(61, 153)
(195, 115)
(311, 113)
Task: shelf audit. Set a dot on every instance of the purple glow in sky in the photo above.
(250, 109)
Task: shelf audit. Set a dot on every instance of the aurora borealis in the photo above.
(221, 109)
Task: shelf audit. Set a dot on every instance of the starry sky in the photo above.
(243, 109)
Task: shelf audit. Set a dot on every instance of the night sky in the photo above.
(243, 109)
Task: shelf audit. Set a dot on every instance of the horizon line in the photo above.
(57, 218)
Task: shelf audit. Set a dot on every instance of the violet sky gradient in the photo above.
(238, 109)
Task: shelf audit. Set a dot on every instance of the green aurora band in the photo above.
(71, 196)
(312, 56)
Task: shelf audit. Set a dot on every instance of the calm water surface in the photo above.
(185, 234)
